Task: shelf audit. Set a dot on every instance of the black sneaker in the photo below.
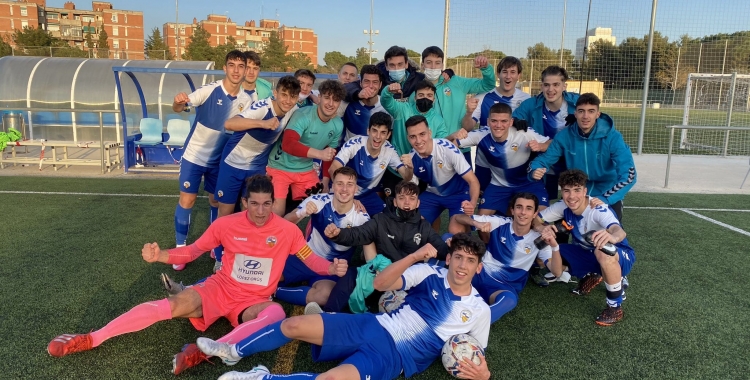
(609, 316)
(587, 284)
(535, 274)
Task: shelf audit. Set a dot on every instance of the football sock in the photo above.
(181, 224)
(614, 294)
(214, 214)
(272, 313)
(138, 318)
(294, 296)
(266, 339)
(504, 302)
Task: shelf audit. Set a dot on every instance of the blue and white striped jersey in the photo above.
(369, 169)
(553, 121)
(599, 218)
(510, 256)
(489, 99)
(356, 117)
(213, 106)
(508, 160)
(430, 315)
(252, 94)
(317, 240)
(443, 169)
(249, 149)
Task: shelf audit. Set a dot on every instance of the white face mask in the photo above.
(303, 96)
(432, 74)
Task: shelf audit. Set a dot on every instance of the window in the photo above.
(23, 11)
(52, 16)
(115, 31)
(88, 19)
(239, 32)
(126, 32)
(182, 30)
(225, 29)
(126, 44)
(53, 28)
(24, 24)
(116, 44)
(126, 19)
(11, 13)
(171, 26)
(217, 28)
(114, 17)
(12, 24)
(300, 35)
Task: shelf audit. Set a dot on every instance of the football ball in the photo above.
(391, 300)
(457, 348)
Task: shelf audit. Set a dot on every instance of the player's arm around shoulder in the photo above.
(393, 276)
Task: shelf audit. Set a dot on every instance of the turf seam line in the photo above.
(93, 194)
(288, 352)
(684, 208)
(714, 221)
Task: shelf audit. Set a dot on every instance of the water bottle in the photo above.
(608, 248)
(562, 228)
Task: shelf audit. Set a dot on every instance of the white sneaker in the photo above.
(313, 308)
(257, 373)
(564, 277)
(219, 349)
(178, 267)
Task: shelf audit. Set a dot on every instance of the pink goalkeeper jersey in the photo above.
(254, 257)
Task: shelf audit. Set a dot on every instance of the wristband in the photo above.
(555, 248)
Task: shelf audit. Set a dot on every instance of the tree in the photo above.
(414, 55)
(89, 38)
(5, 48)
(274, 55)
(299, 61)
(102, 44)
(335, 59)
(220, 52)
(361, 57)
(155, 47)
(198, 49)
(32, 37)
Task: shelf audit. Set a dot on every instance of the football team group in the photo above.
(373, 159)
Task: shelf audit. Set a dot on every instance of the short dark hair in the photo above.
(333, 88)
(414, 120)
(424, 84)
(555, 70)
(588, 98)
(349, 64)
(468, 243)
(524, 195)
(395, 51)
(304, 73)
(253, 57)
(381, 118)
(290, 84)
(406, 188)
(509, 62)
(501, 108)
(370, 70)
(345, 170)
(572, 177)
(433, 50)
(259, 183)
(235, 55)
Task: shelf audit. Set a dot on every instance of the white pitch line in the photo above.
(92, 194)
(684, 208)
(714, 221)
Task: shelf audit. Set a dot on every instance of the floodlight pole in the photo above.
(647, 77)
(446, 20)
(562, 39)
(177, 29)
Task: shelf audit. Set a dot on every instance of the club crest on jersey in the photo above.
(220, 193)
(440, 164)
(186, 184)
(348, 225)
(527, 249)
(271, 241)
(241, 107)
(465, 316)
(514, 146)
(447, 91)
(382, 164)
(218, 102)
(330, 133)
(417, 238)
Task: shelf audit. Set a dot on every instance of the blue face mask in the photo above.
(396, 75)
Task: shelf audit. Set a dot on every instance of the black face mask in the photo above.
(406, 214)
(424, 105)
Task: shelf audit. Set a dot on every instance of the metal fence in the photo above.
(609, 43)
(72, 51)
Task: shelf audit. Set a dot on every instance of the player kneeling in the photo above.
(441, 303)
(599, 245)
(256, 244)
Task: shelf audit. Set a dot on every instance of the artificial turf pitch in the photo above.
(71, 263)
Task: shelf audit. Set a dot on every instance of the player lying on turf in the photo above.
(511, 251)
(599, 245)
(440, 304)
(337, 208)
(256, 246)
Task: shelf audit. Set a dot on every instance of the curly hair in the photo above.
(333, 88)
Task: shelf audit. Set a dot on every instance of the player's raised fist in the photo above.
(311, 208)
(468, 207)
(181, 98)
(394, 88)
(539, 173)
(459, 135)
(471, 104)
(535, 146)
(406, 160)
(483, 227)
(480, 62)
(425, 253)
(271, 123)
(332, 231)
(150, 252)
(327, 154)
(338, 267)
(367, 93)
